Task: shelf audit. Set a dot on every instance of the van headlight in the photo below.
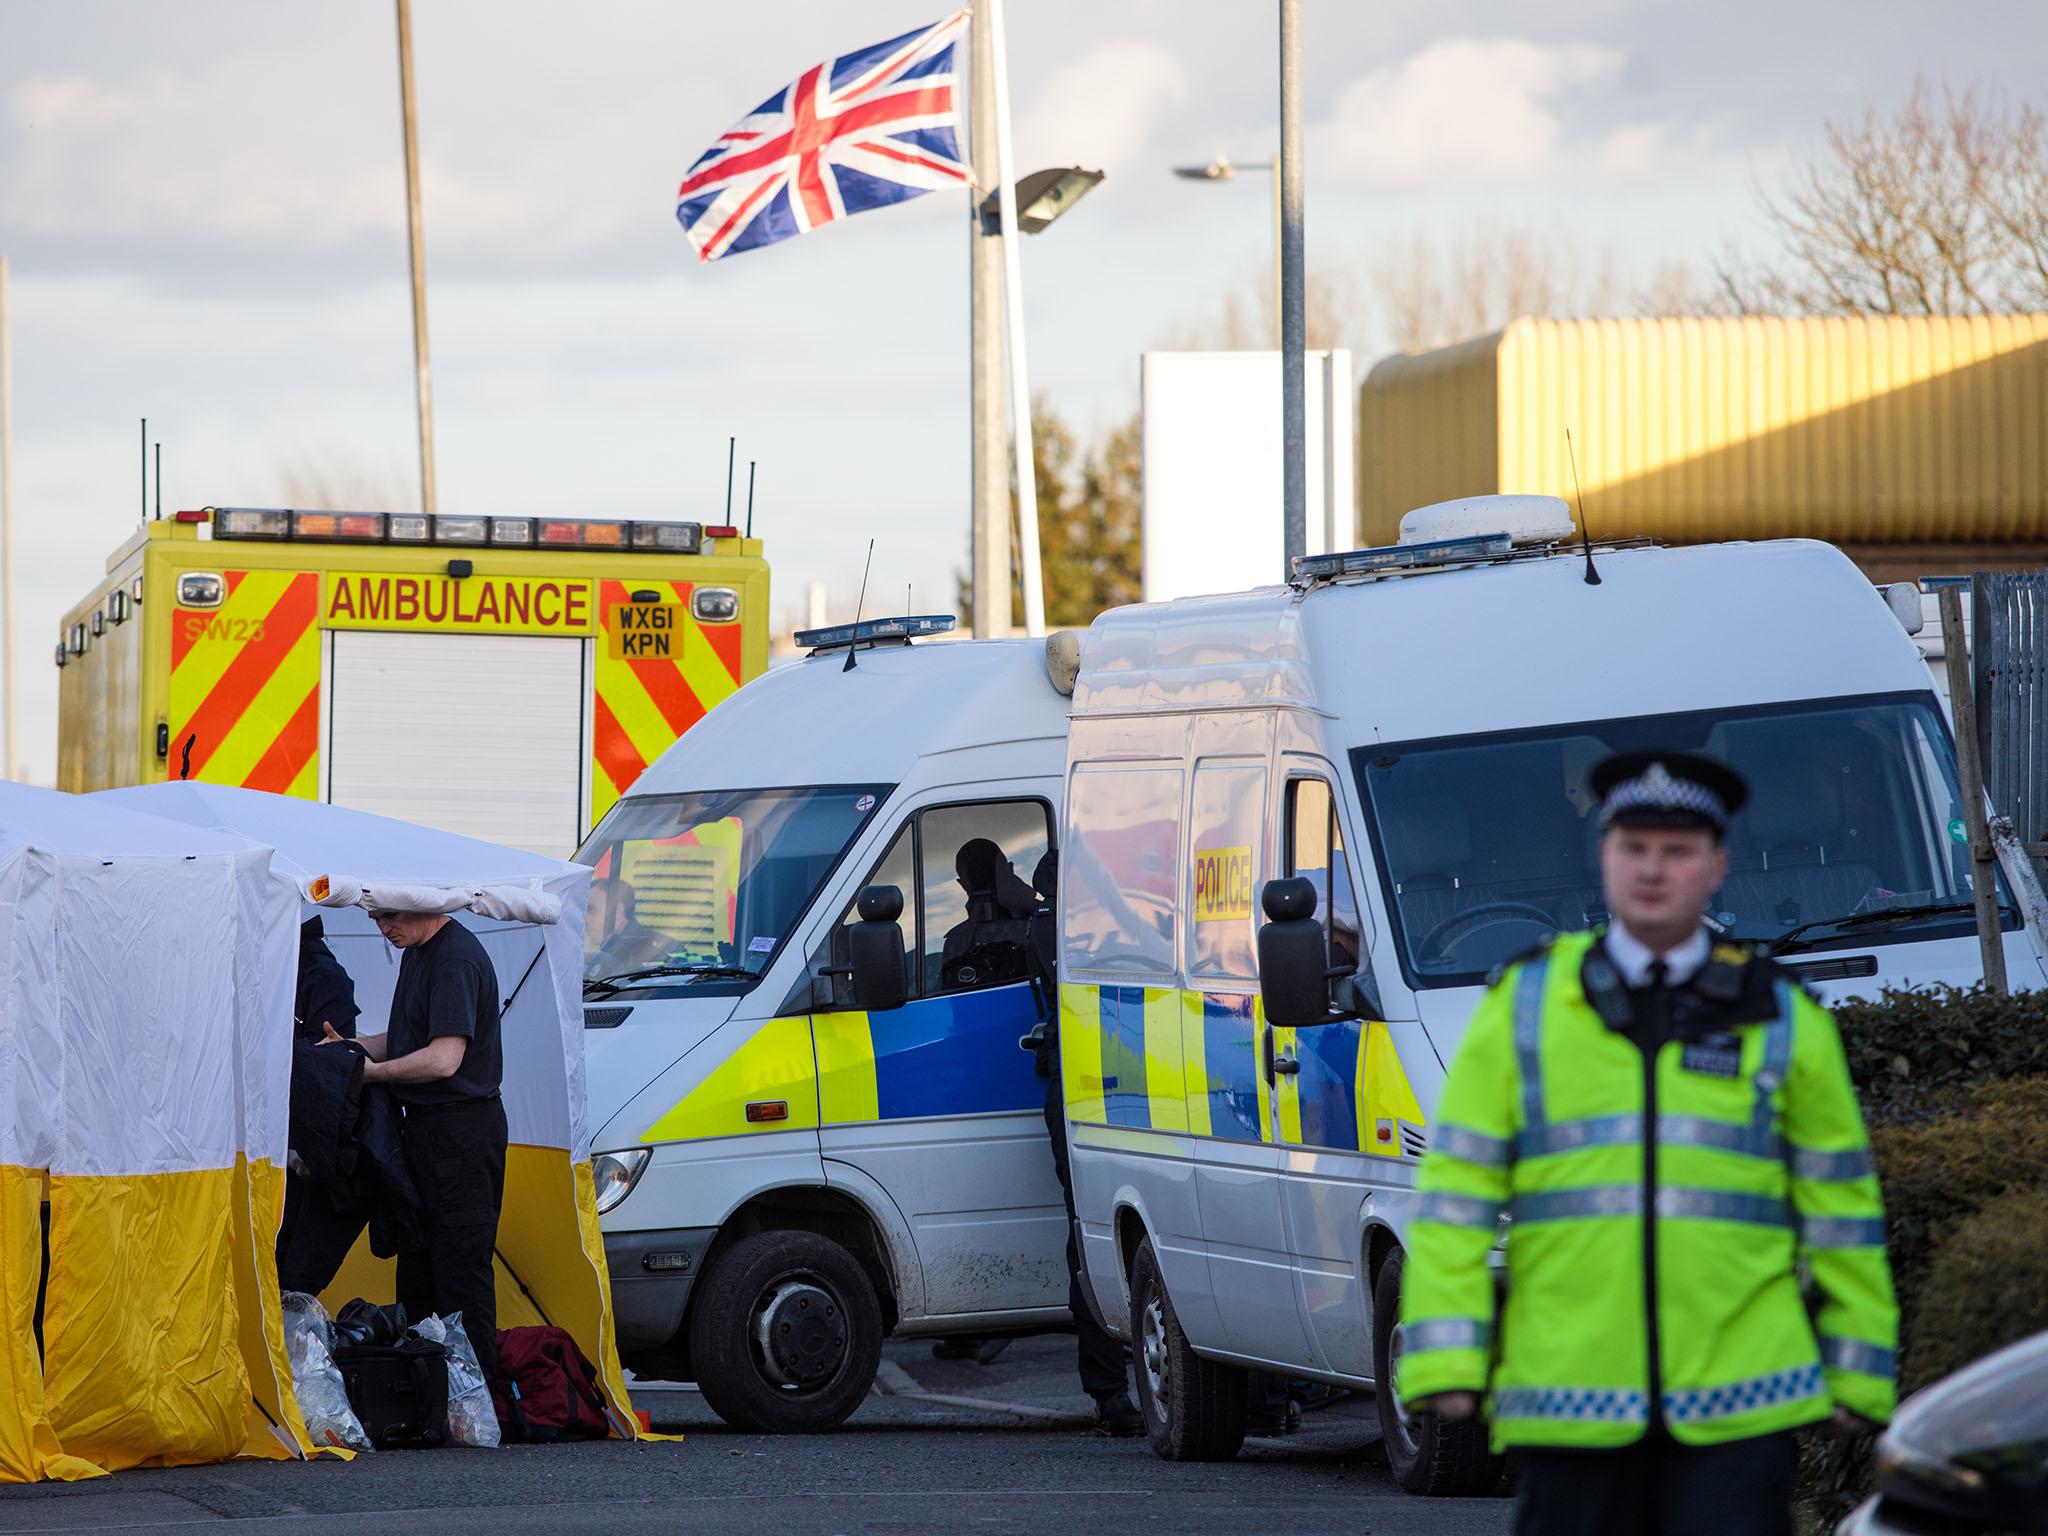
(615, 1174)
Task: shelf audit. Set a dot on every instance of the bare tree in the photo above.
(1243, 321)
(1940, 207)
(327, 481)
(1432, 289)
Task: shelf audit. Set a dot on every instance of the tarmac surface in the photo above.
(942, 1445)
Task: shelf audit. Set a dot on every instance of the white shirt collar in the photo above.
(1632, 957)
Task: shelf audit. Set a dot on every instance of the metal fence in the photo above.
(2009, 624)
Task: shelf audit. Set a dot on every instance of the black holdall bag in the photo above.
(399, 1391)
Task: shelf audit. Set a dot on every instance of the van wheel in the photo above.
(785, 1334)
(1427, 1455)
(1194, 1408)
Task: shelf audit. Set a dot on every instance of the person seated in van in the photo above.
(988, 944)
(614, 938)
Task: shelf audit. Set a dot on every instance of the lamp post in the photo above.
(1041, 198)
(1038, 200)
(1222, 168)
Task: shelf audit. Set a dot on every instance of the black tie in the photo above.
(1657, 998)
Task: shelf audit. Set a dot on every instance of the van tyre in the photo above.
(785, 1334)
(1427, 1454)
(1194, 1408)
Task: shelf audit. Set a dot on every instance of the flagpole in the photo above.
(1013, 296)
(423, 386)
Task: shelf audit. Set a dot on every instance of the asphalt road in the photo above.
(941, 1446)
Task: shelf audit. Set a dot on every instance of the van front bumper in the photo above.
(651, 1277)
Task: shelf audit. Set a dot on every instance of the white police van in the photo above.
(809, 974)
(1408, 731)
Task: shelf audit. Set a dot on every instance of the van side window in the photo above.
(1315, 850)
(1226, 826)
(966, 873)
(1120, 875)
(977, 897)
(898, 868)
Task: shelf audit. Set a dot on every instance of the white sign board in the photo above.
(1213, 468)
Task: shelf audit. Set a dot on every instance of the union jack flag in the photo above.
(853, 133)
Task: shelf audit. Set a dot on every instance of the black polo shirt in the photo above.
(447, 986)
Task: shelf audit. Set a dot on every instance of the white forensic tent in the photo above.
(551, 1257)
(146, 981)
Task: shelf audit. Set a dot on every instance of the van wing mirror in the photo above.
(874, 951)
(1293, 961)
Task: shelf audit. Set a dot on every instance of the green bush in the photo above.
(1984, 1144)
(1909, 1050)
(1954, 1085)
(1988, 1287)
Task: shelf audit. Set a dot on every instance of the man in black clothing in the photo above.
(442, 1059)
(1101, 1358)
(325, 993)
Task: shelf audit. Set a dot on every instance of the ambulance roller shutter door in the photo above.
(480, 735)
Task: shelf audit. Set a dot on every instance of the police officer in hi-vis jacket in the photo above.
(1666, 1121)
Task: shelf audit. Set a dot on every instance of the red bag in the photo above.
(545, 1389)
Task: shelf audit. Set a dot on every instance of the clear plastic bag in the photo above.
(316, 1380)
(472, 1420)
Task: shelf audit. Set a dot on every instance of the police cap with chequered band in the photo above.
(1678, 790)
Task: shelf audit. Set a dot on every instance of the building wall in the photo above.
(1879, 433)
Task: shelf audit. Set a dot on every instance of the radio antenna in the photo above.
(1585, 529)
(750, 501)
(145, 469)
(732, 447)
(159, 482)
(860, 607)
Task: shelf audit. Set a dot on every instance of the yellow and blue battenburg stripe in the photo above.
(1170, 1059)
(934, 1056)
(1149, 1058)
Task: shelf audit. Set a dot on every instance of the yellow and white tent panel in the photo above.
(147, 971)
(551, 1266)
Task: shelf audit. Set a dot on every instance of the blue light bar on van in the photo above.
(1402, 557)
(868, 631)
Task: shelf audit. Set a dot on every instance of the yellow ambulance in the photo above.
(506, 678)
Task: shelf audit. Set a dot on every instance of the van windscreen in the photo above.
(703, 889)
(1487, 845)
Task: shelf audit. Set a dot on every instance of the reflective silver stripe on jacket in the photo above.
(1612, 1405)
(1446, 1333)
(1777, 1061)
(1564, 1204)
(1855, 1355)
(1698, 1131)
(1457, 1210)
(1723, 1205)
(1529, 1040)
(1472, 1146)
(1832, 1167)
(1698, 1405)
(1842, 1231)
(1571, 1135)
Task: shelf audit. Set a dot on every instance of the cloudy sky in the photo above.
(204, 207)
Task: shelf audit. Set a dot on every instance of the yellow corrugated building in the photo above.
(1918, 445)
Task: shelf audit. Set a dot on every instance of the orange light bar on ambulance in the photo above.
(341, 527)
(677, 538)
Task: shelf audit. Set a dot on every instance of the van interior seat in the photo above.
(1795, 824)
(1429, 854)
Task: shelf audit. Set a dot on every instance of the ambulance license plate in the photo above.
(645, 631)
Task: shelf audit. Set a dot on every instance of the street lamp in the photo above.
(1222, 169)
(1041, 197)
